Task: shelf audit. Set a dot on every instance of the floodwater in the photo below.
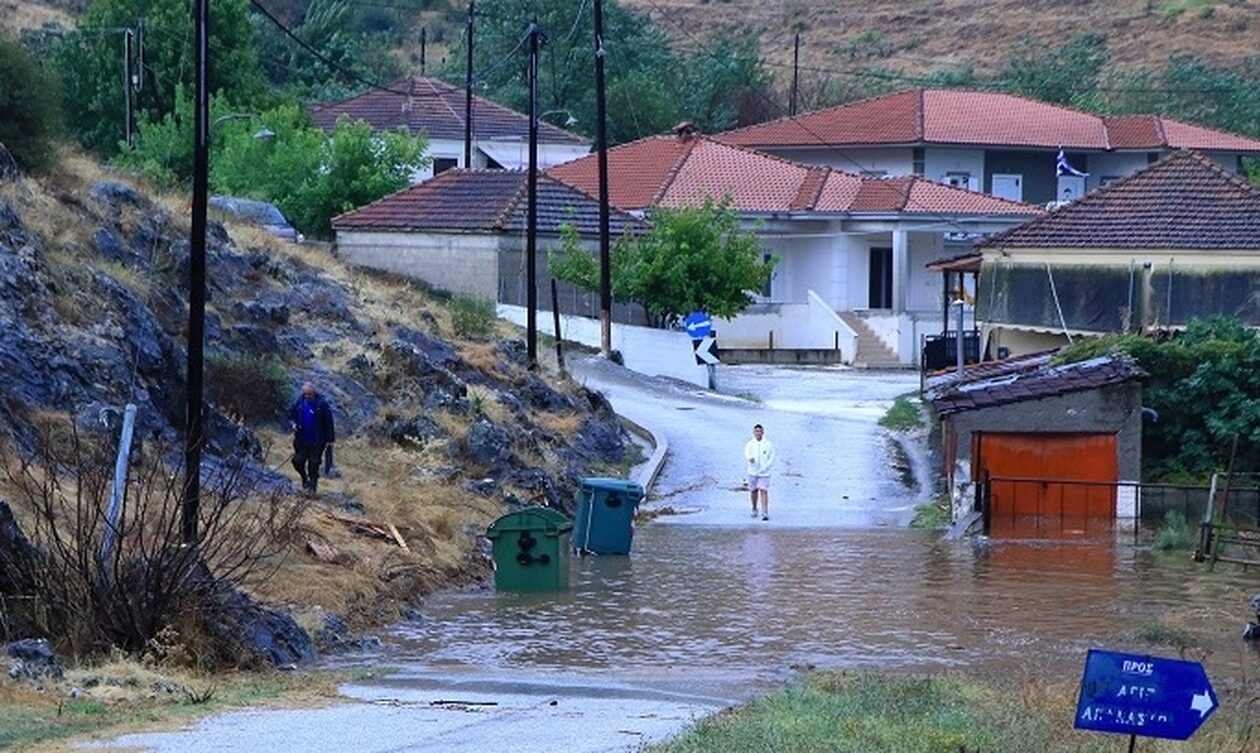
(756, 602)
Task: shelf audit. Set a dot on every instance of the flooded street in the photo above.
(715, 607)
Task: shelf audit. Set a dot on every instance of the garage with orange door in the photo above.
(1053, 440)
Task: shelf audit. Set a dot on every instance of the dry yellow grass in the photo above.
(372, 578)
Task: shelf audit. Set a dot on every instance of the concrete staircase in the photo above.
(871, 351)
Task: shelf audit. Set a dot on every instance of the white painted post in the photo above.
(901, 269)
(120, 486)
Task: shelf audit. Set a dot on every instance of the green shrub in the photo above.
(254, 388)
(1174, 534)
(472, 317)
(30, 117)
(933, 515)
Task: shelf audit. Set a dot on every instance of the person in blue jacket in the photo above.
(311, 419)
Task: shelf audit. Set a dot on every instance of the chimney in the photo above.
(685, 130)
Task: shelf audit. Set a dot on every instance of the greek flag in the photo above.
(1063, 167)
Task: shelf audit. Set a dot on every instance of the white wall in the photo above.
(890, 160)
(940, 160)
(460, 263)
(516, 154)
(1120, 164)
(805, 264)
(655, 352)
(924, 288)
(811, 325)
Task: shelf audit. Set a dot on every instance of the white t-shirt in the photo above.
(760, 456)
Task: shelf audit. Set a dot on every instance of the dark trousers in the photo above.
(306, 459)
(328, 459)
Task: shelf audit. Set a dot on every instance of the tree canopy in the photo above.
(1205, 386)
(692, 259)
(651, 87)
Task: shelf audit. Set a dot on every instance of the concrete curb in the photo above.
(650, 470)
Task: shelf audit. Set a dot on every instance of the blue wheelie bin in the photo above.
(605, 515)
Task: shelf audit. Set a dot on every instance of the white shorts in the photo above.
(759, 482)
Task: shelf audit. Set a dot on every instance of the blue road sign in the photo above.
(1143, 695)
(698, 325)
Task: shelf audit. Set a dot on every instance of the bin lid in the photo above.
(613, 485)
(541, 519)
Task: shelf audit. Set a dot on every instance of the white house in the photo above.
(432, 107)
(1000, 144)
(853, 249)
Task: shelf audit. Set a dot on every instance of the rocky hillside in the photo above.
(437, 434)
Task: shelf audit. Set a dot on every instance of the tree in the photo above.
(650, 86)
(337, 30)
(90, 62)
(692, 259)
(1205, 386)
(312, 176)
(29, 114)
(1065, 75)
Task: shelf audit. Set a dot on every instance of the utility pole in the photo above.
(796, 69)
(468, 85)
(601, 142)
(531, 230)
(193, 431)
(138, 75)
(128, 121)
(424, 40)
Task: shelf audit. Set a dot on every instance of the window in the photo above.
(958, 180)
(766, 292)
(442, 164)
(918, 160)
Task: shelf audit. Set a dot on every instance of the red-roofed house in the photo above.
(1176, 241)
(853, 249)
(435, 108)
(1001, 144)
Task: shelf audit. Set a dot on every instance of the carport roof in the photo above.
(483, 201)
(1029, 377)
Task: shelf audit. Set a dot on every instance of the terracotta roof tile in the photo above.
(1134, 132)
(949, 116)
(483, 201)
(436, 108)
(1031, 377)
(673, 171)
(1184, 201)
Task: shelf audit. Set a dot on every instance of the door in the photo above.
(1042, 483)
(1008, 186)
(881, 287)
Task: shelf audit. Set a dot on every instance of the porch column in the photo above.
(901, 268)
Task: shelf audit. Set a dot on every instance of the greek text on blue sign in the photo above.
(1143, 695)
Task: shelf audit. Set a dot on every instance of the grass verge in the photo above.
(904, 415)
(868, 713)
(121, 697)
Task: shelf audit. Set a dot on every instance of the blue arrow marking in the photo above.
(1143, 695)
(698, 325)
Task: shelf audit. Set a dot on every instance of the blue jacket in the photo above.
(324, 430)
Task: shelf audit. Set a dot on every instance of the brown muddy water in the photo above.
(749, 604)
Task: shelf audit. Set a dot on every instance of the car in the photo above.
(260, 213)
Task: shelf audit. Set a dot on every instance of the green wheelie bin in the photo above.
(605, 515)
(531, 550)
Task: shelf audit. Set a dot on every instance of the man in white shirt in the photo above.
(759, 453)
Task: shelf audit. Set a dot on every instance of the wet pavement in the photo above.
(715, 607)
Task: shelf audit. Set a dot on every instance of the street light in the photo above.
(263, 134)
(569, 122)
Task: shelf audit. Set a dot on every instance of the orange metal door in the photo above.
(1035, 462)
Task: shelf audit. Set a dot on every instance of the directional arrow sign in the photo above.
(698, 325)
(1143, 695)
(704, 350)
